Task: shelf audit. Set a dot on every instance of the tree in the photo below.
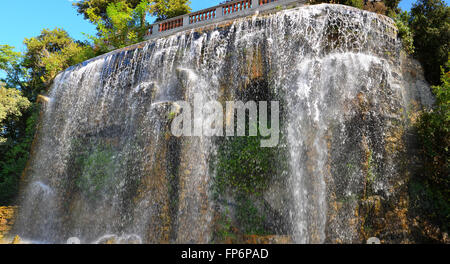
(430, 23)
(8, 57)
(433, 188)
(122, 26)
(161, 9)
(165, 9)
(392, 7)
(31, 74)
(48, 54)
(404, 31)
(12, 103)
(122, 23)
(99, 7)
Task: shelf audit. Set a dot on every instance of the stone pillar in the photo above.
(186, 20)
(219, 11)
(156, 30)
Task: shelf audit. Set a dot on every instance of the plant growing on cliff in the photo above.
(404, 31)
(433, 129)
(243, 166)
(96, 171)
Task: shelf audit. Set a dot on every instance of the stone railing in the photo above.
(222, 12)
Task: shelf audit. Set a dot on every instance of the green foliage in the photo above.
(96, 170)
(164, 9)
(249, 217)
(48, 54)
(123, 25)
(354, 3)
(99, 7)
(430, 23)
(12, 103)
(404, 31)
(244, 170)
(29, 75)
(392, 7)
(244, 167)
(433, 129)
(224, 229)
(15, 152)
(8, 57)
(432, 201)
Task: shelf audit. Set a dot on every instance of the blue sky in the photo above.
(21, 19)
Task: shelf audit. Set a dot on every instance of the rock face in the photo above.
(107, 167)
(7, 219)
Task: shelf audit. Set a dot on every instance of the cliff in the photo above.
(107, 165)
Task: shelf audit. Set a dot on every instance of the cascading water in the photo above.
(105, 166)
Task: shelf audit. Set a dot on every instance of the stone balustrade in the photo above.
(226, 11)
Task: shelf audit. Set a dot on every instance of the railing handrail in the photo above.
(218, 11)
(198, 11)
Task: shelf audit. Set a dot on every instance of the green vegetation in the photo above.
(225, 227)
(404, 31)
(121, 23)
(8, 57)
(165, 9)
(96, 171)
(48, 54)
(430, 24)
(432, 189)
(244, 171)
(12, 104)
(251, 220)
(14, 153)
(121, 27)
(244, 167)
(161, 9)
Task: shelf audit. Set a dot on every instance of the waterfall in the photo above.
(105, 165)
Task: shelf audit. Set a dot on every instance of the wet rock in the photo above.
(7, 219)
